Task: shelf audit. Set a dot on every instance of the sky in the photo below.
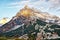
(9, 8)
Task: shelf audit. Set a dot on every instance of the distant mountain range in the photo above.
(26, 20)
(4, 20)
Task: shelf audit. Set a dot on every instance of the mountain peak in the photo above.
(26, 11)
(4, 20)
(26, 7)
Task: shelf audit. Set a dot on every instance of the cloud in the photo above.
(23, 3)
(52, 6)
(17, 4)
(39, 4)
(54, 3)
(58, 10)
(46, 4)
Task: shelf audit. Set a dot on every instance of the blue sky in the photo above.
(9, 8)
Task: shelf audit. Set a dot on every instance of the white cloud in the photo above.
(55, 3)
(51, 4)
(41, 4)
(37, 4)
(17, 4)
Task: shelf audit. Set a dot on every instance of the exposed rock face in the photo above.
(26, 11)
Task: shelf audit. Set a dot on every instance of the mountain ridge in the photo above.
(29, 18)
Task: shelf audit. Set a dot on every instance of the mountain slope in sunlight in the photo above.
(4, 20)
